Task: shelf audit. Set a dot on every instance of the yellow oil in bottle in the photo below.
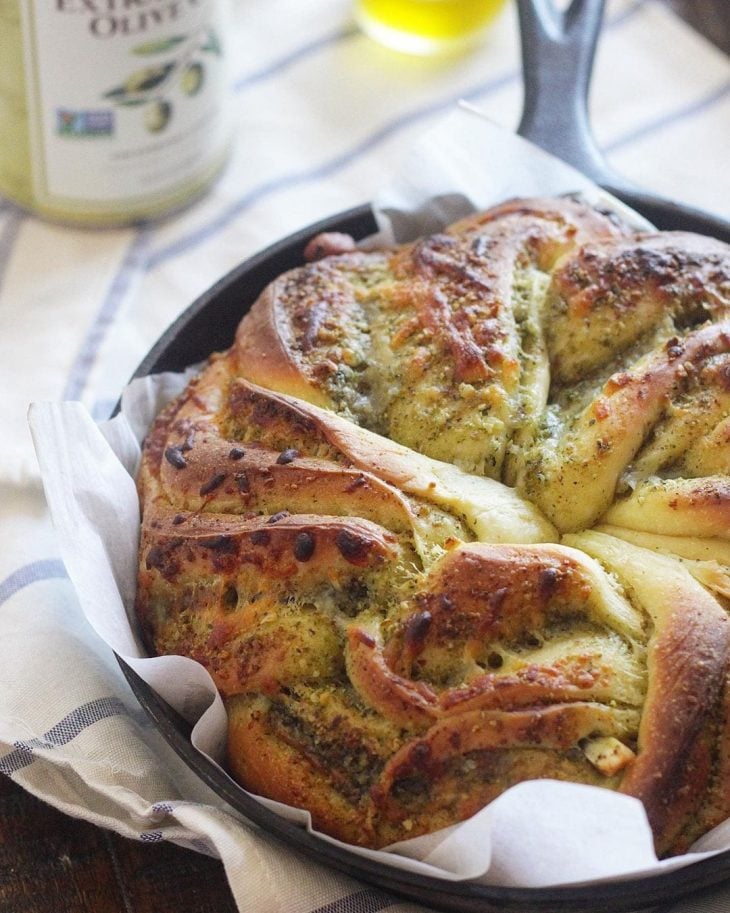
(426, 26)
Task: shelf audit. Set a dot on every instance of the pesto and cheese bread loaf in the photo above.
(455, 515)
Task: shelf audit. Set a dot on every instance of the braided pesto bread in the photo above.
(456, 515)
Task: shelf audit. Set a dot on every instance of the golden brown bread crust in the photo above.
(353, 519)
(372, 335)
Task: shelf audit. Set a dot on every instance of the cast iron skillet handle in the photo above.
(557, 61)
(558, 49)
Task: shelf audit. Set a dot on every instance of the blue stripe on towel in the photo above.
(671, 117)
(62, 733)
(299, 53)
(46, 569)
(134, 264)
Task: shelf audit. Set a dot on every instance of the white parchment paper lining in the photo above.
(536, 834)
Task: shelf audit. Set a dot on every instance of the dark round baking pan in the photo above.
(558, 52)
(207, 325)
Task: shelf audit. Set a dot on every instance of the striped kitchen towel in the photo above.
(324, 115)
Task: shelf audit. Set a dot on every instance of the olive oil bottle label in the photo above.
(127, 99)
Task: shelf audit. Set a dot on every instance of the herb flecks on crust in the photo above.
(456, 515)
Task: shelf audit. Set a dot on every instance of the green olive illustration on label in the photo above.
(149, 88)
(147, 78)
(191, 80)
(157, 114)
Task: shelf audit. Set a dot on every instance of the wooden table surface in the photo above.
(50, 862)
(56, 864)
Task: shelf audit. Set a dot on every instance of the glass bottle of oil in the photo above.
(111, 111)
(426, 26)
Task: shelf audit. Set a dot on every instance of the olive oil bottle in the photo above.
(111, 111)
